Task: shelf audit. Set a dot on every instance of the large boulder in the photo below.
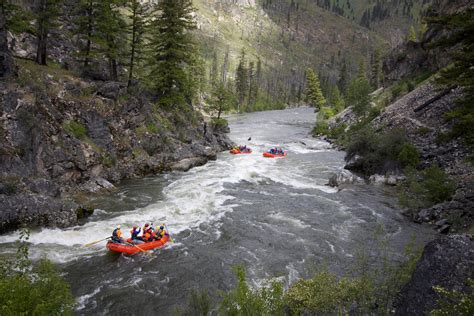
(343, 177)
(188, 163)
(447, 262)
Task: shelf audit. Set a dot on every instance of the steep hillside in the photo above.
(288, 38)
(391, 19)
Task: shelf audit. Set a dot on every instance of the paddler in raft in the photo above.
(134, 235)
(117, 235)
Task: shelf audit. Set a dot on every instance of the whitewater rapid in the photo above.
(276, 216)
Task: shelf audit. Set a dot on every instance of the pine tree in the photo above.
(214, 71)
(358, 95)
(85, 20)
(336, 100)
(221, 99)
(136, 31)
(461, 72)
(110, 30)
(242, 80)
(343, 82)
(362, 70)
(225, 66)
(174, 52)
(314, 94)
(376, 76)
(252, 83)
(47, 11)
(258, 77)
(412, 34)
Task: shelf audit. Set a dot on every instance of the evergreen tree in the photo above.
(376, 76)
(86, 16)
(136, 30)
(358, 95)
(362, 70)
(336, 100)
(258, 77)
(343, 82)
(221, 100)
(412, 34)
(252, 83)
(314, 94)
(242, 80)
(174, 52)
(214, 71)
(110, 27)
(225, 66)
(47, 11)
(461, 72)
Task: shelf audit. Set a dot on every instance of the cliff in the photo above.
(64, 137)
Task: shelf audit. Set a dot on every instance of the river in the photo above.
(275, 216)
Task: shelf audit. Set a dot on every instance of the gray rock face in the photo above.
(447, 262)
(35, 210)
(76, 140)
(98, 185)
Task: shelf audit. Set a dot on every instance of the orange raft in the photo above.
(238, 152)
(269, 155)
(130, 250)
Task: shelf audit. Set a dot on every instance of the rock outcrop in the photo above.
(448, 263)
(62, 135)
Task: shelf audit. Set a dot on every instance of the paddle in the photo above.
(142, 250)
(95, 242)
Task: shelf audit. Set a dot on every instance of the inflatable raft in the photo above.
(130, 250)
(269, 155)
(238, 152)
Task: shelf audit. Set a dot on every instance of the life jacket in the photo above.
(134, 233)
(117, 235)
(146, 236)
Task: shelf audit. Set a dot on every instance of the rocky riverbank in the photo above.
(64, 138)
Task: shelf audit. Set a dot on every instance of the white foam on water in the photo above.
(333, 250)
(194, 198)
(293, 221)
(83, 300)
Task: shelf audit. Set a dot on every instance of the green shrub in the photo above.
(409, 156)
(27, 289)
(152, 128)
(76, 129)
(422, 131)
(337, 132)
(426, 188)
(219, 122)
(267, 300)
(327, 112)
(399, 90)
(323, 294)
(454, 303)
(108, 160)
(321, 128)
(376, 150)
(371, 291)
